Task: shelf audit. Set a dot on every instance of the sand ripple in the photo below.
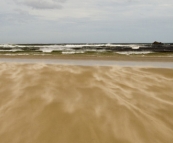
(73, 104)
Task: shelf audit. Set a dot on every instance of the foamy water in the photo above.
(67, 48)
(43, 103)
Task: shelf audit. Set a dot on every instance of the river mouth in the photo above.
(76, 104)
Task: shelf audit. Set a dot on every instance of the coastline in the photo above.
(141, 58)
(85, 60)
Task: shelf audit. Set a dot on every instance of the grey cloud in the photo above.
(17, 17)
(42, 4)
(86, 21)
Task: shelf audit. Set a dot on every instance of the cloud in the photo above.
(17, 17)
(82, 21)
(42, 4)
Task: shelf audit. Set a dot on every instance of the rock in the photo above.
(157, 43)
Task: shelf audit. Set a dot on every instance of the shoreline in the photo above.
(135, 58)
(96, 61)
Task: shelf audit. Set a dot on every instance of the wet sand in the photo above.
(109, 57)
(90, 62)
(51, 103)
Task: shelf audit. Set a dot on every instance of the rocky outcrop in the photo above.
(157, 43)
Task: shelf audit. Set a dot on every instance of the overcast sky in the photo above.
(89, 21)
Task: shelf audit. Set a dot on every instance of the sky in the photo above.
(89, 21)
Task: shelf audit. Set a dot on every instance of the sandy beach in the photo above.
(142, 58)
(57, 103)
(96, 71)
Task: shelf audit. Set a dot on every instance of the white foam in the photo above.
(46, 50)
(134, 52)
(12, 50)
(135, 46)
(7, 46)
(50, 48)
(72, 52)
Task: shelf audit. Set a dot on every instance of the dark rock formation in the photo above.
(157, 43)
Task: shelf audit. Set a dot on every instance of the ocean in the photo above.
(84, 48)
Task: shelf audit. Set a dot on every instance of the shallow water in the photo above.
(43, 103)
(90, 62)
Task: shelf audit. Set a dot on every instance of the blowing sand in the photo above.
(41, 103)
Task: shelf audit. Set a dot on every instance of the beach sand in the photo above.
(51, 103)
(143, 58)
